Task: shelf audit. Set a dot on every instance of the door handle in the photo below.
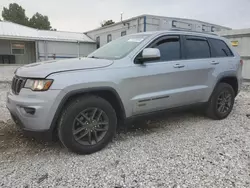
(215, 62)
(178, 66)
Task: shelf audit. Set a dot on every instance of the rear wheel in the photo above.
(221, 102)
(87, 125)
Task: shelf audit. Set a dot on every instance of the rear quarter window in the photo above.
(219, 48)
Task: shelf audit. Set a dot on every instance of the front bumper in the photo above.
(44, 104)
(45, 135)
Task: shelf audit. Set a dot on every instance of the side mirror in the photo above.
(149, 54)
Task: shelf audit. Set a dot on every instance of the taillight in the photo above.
(241, 62)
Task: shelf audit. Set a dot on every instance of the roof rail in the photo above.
(209, 33)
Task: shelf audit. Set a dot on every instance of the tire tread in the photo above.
(83, 99)
(210, 112)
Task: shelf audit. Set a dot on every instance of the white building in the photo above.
(145, 23)
(21, 45)
(240, 39)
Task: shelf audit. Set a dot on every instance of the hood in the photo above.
(43, 69)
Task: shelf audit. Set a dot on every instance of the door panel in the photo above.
(200, 70)
(156, 87)
(174, 80)
(158, 84)
(198, 76)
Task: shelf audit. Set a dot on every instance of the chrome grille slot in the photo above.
(17, 84)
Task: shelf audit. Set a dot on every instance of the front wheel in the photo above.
(221, 102)
(87, 125)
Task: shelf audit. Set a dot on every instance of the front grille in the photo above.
(17, 84)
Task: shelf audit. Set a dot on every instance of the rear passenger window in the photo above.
(170, 48)
(196, 48)
(219, 48)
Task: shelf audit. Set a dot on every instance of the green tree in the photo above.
(15, 13)
(40, 21)
(108, 22)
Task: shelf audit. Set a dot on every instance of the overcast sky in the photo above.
(83, 15)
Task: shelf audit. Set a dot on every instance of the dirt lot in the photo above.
(179, 150)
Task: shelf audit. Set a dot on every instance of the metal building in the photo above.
(240, 39)
(145, 23)
(21, 45)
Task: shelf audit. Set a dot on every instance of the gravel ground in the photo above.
(178, 150)
(4, 114)
(7, 72)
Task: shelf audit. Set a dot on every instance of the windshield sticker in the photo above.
(136, 40)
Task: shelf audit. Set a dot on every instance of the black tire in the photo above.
(68, 119)
(212, 110)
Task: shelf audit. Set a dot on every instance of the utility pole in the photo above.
(121, 16)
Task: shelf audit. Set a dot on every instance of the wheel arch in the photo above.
(231, 80)
(108, 93)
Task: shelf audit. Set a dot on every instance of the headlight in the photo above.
(38, 85)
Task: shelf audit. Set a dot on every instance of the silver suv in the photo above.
(83, 100)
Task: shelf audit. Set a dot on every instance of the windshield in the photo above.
(118, 48)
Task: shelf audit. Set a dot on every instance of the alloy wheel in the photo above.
(90, 126)
(224, 102)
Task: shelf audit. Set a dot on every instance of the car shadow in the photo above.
(12, 138)
(154, 123)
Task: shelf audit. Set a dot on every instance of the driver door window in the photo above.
(169, 47)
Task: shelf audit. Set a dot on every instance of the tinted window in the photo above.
(197, 48)
(123, 33)
(18, 48)
(169, 48)
(109, 38)
(97, 42)
(219, 48)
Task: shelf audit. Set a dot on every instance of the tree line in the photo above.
(16, 14)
